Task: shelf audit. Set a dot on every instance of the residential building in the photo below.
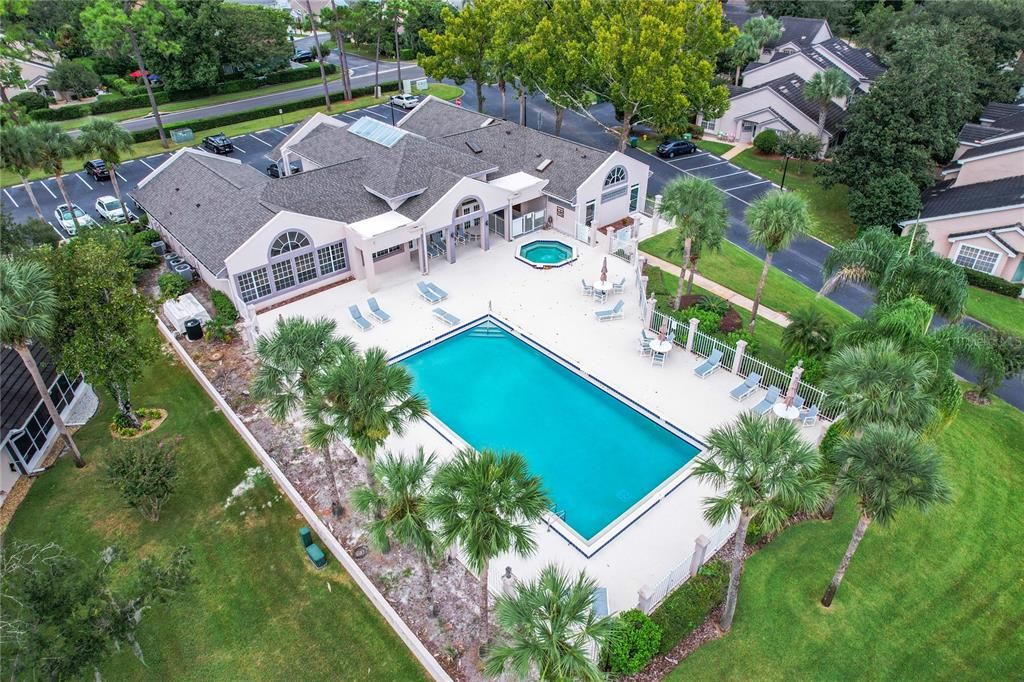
(974, 214)
(35, 73)
(372, 198)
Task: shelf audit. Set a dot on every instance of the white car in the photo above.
(405, 101)
(109, 208)
(63, 215)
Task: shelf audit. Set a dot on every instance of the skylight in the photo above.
(377, 131)
(542, 166)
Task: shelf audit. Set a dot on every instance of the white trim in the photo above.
(946, 216)
(986, 235)
(999, 152)
(995, 266)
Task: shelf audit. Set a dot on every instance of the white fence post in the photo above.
(656, 215)
(691, 334)
(644, 601)
(651, 303)
(741, 348)
(700, 549)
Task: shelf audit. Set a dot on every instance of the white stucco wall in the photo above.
(593, 186)
(797, 64)
(741, 107)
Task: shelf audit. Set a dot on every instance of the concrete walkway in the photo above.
(718, 290)
(737, 149)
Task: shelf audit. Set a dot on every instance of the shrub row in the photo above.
(103, 105)
(635, 642)
(688, 607)
(242, 116)
(234, 85)
(995, 284)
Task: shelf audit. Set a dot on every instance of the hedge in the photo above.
(243, 84)
(103, 105)
(686, 608)
(251, 114)
(995, 284)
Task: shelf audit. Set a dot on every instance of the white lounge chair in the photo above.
(441, 293)
(375, 311)
(358, 318)
(810, 416)
(710, 365)
(770, 398)
(446, 317)
(427, 294)
(748, 386)
(610, 314)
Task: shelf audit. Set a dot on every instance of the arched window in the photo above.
(289, 241)
(615, 176)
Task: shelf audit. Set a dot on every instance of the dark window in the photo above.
(615, 176)
(332, 258)
(289, 241)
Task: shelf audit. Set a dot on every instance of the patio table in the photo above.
(784, 411)
(661, 346)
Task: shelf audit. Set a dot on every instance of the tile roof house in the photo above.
(974, 214)
(373, 198)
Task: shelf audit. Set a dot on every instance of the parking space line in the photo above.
(278, 130)
(371, 111)
(48, 189)
(11, 199)
(759, 182)
(727, 175)
(238, 148)
(154, 156)
(59, 233)
(146, 164)
(690, 158)
(83, 181)
(708, 165)
(261, 141)
(742, 201)
(123, 178)
(349, 117)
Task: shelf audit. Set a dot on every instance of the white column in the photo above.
(371, 278)
(691, 334)
(741, 349)
(656, 215)
(700, 550)
(424, 260)
(651, 303)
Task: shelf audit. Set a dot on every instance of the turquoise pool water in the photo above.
(597, 456)
(545, 253)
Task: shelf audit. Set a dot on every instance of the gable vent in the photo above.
(542, 166)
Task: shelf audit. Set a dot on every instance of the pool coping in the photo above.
(620, 524)
(544, 266)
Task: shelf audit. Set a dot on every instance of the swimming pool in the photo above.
(596, 455)
(544, 253)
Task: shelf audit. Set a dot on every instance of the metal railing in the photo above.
(682, 572)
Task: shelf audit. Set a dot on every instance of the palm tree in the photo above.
(809, 332)
(18, 154)
(745, 50)
(338, 22)
(487, 502)
(696, 207)
(365, 399)
(28, 303)
(764, 471)
(897, 267)
(107, 140)
(890, 467)
(53, 147)
(398, 507)
(288, 361)
(775, 220)
(319, 56)
(549, 627)
(822, 88)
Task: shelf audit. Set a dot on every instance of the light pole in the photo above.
(785, 167)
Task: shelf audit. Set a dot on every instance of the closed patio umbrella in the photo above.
(604, 270)
(794, 383)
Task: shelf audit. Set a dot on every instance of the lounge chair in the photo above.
(810, 416)
(610, 314)
(427, 294)
(375, 311)
(438, 291)
(770, 398)
(748, 386)
(710, 365)
(446, 317)
(587, 289)
(358, 318)
(619, 287)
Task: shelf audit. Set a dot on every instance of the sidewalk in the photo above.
(737, 149)
(718, 290)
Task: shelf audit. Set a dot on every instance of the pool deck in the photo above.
(548, 306)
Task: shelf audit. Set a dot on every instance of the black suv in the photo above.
(218, 144)
(671, 148)
(97, 169)
(302, 56)
(274, 170)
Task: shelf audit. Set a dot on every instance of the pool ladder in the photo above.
(560, 513)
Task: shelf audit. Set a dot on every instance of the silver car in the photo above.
(109, 208)
(63, 215)
(405, 101)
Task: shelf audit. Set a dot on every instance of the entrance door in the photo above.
(747, 130)
(496, 223)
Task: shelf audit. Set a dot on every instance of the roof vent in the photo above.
(508, 132)
(487, 123)
(473, 146)
(543, 165)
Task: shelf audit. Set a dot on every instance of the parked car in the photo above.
(218, 144)
(302, 56)
(671, 148)
(63, 215)
(274, 170)
(405, 101)
(97, 169)
(109, 208)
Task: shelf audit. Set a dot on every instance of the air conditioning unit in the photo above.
(185, 271)
(159, 247)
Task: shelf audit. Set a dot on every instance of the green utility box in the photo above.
(634, 141)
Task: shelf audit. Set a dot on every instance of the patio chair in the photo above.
(770, 398)
(427, 294)
(441, 293)
(658, 359)
(600, 296)
(446, 317)
(798, 402)
(619, 287)
(710, 365)
(357, 317)
(610, 314)
(375, 311)
(810, 416)
(644, 345)
(749, 385)
(587, 289)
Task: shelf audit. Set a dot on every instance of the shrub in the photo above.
(713, 304)
(223, 306)
(75, 78)
(814, 368)
(634, 643)
(65, 113)
(688, 607)
(993, 284)
(31, 101)
(147, 236)
(406, 54)
(145, 474)
(222, 326)
(753, 345)
(709, 320)
(731, 322)
(767, 142)
(171, 286)
(809, 332)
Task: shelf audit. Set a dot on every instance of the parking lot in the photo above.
(735, 182)
(83, 190)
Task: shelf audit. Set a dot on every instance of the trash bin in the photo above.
(633, 141)
(306, 536)
(687, 136)
(193, 329)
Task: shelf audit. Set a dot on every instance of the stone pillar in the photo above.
(741, 349)
(371, 278)
(508, 221)
(645, 602)
(424, 259)
(794, 382)
(485, 233)
(700, 550)
(450, 242)
(691, 334)
(649, 317)
(656, 215)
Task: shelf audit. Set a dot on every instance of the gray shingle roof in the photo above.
(737, 16)
(791, 88)
(433, 121)
(973, 133)
(335, 192)
(210, 205)
(16, 386)
(945, 199)
(994, 111)
(992, 147)
(797, 30)
(865, 62)
(818, 58)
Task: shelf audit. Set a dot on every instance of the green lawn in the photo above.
(1002, 312)
(259, 611)
(934, 596)
(153, 146)
(740, 271)
(828, 206)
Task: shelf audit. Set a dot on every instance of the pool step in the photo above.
(487, 331)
